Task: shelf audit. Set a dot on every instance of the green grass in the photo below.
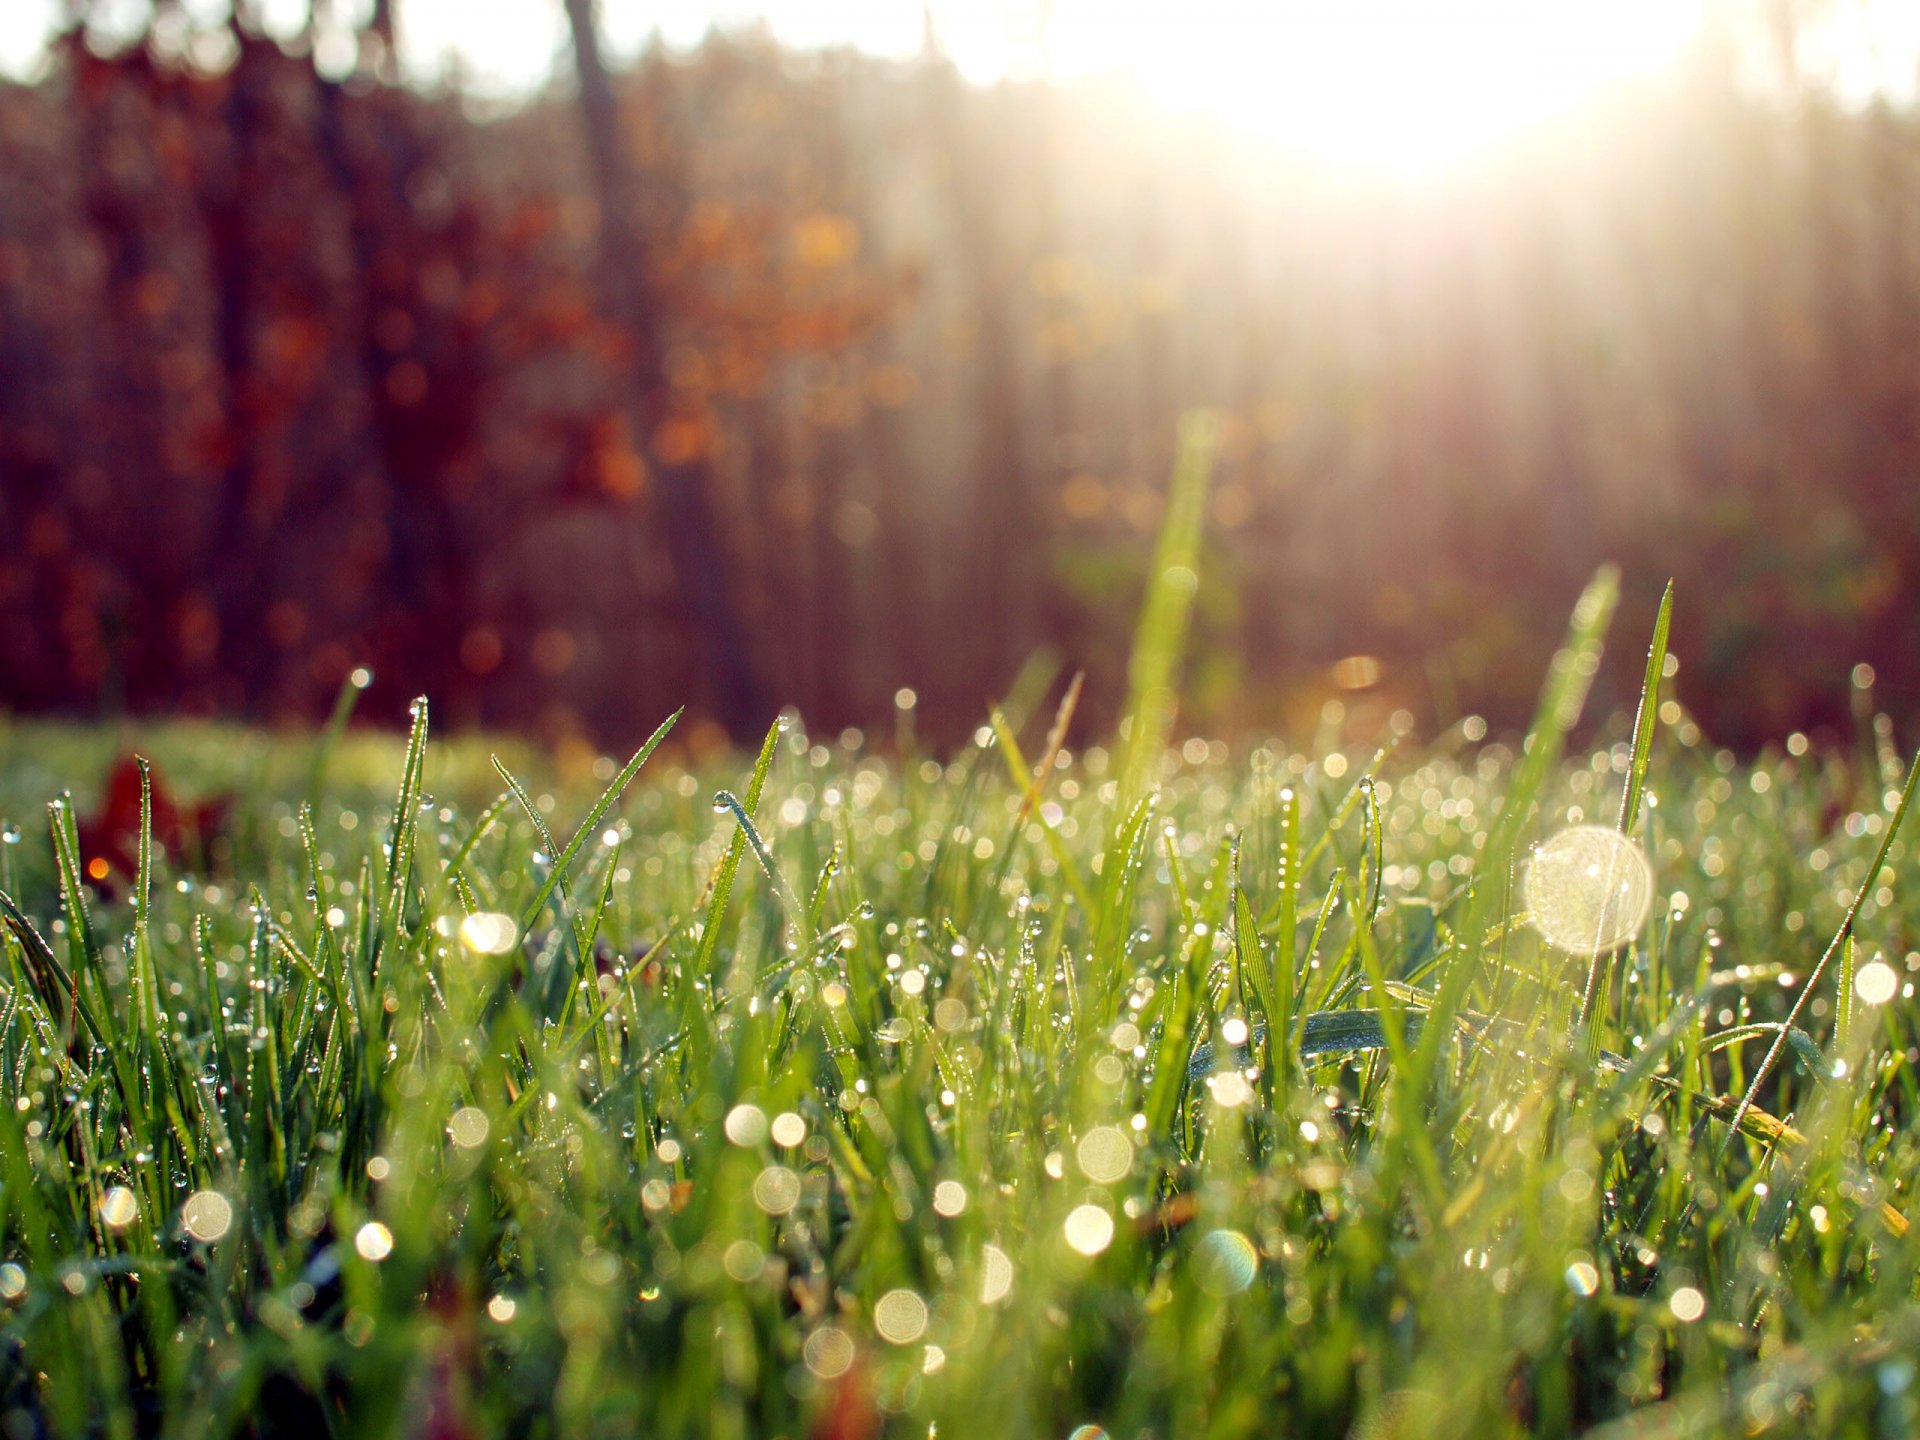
(800, 1112)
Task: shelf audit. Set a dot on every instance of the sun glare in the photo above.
(1381, 89)
(1393, 88)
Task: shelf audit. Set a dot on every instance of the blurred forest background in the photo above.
(743, 377)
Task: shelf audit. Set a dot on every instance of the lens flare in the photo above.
(1588, 889)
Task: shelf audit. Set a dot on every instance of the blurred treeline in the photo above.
(743, 378)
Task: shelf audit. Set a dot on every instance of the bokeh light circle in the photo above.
(1588, 889)
(469, 1127)
(996, 1274)
(1089, 1229)
(119, 1208)
(776, 1190)
(207, 1215)
(487, 932)
(1105, 1154)
(1224, 1262)
(828, 1352)
(900, 1316)
(1876, 982)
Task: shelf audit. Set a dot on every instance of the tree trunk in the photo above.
(629, 298)
(235, 561)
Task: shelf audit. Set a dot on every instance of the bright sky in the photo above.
(1400, 86)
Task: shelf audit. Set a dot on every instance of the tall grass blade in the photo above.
(344, 704)
(1645, 715)
(1563, 697)
(722, 890)
(1160, 638)
(406, 827)
(590, 826)
(1600, 966)
(1868, 884)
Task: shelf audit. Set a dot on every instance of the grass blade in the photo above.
(1840, 939)
(1645, 715)
(1561, 701)
(556, 873)
(1160, 638)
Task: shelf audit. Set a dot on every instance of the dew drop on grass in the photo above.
(1588, 889)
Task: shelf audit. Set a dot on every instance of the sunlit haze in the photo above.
(1403, 88)
(1392, 86)
(1398, 86)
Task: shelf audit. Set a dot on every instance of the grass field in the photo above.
(844, 1091)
